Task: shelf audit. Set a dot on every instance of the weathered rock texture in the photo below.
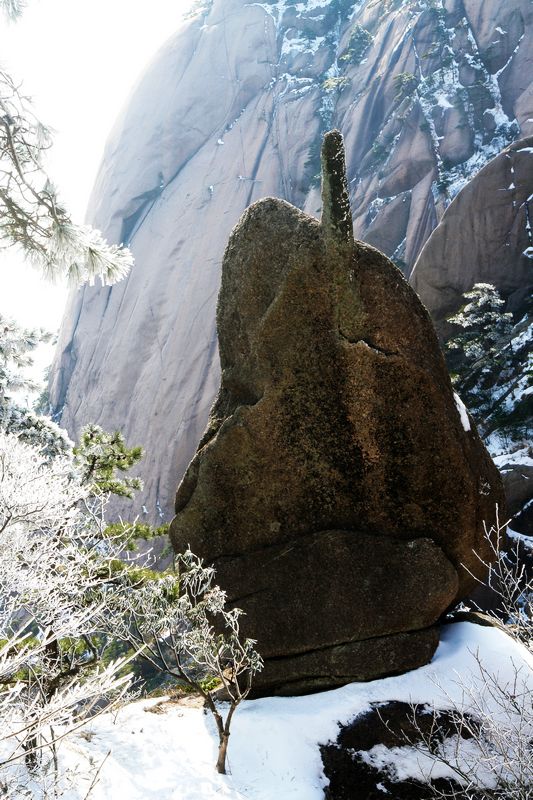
(232, 110)
(335, 489)
(485, 236)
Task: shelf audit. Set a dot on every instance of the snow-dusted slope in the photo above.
(233, 109)
(274, 745)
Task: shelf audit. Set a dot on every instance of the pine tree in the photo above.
(99, 455)
(491, 364)
(31, 213)
(483, 322)
(33, 219)
(479, 351)
(16, 346)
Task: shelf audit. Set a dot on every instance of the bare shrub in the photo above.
(180, 624)
(485, 749)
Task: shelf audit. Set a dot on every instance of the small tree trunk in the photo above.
(223, 736)
(222, 750)
(32, 755)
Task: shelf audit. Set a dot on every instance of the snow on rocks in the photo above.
(463, 413)
(520, 456)
(274, 750)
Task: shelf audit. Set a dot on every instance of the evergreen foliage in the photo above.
(31, 213)
(99, 455)
(483, 323)
(39, 431)
(16, 346)
(33, 219)
(490, 361)
(12, 8)
(135, 531)
(358, 44)
(405, 84)
(336, 83)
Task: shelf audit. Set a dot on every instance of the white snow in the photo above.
(310, 5)
(463, 413)
(274, 750)
(442, 100)
(521, 456)
(301, 44)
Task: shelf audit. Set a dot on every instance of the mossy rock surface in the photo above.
(335, 489)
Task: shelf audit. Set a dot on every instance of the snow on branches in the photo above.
(55, 580)
(179, 623)
(31, 214)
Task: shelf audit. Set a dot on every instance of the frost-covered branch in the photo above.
(181, 626)
(478, 742)
(56, 582)
(31, 214)
(12, 8)
(510, 583)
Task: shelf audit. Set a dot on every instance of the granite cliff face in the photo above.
(489, 225)
(233, 109)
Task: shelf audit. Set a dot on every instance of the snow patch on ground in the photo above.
(274, 749)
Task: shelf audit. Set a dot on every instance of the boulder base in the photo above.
(356, 661)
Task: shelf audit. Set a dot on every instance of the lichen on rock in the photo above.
(335, 490)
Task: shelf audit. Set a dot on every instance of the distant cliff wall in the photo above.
(485, 236)
(233, 109)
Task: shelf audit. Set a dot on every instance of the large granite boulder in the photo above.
(339, 489)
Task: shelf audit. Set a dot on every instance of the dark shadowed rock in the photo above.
(355, 661)
(335, 489)
(518, 482)
(390, 725)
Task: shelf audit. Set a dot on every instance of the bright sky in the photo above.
(78, 60)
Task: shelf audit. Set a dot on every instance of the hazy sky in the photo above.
(78, 60)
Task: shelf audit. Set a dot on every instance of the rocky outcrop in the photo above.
(485, 236)
(233, 109)
(351, 772)
(518, 482)
(338, 489)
